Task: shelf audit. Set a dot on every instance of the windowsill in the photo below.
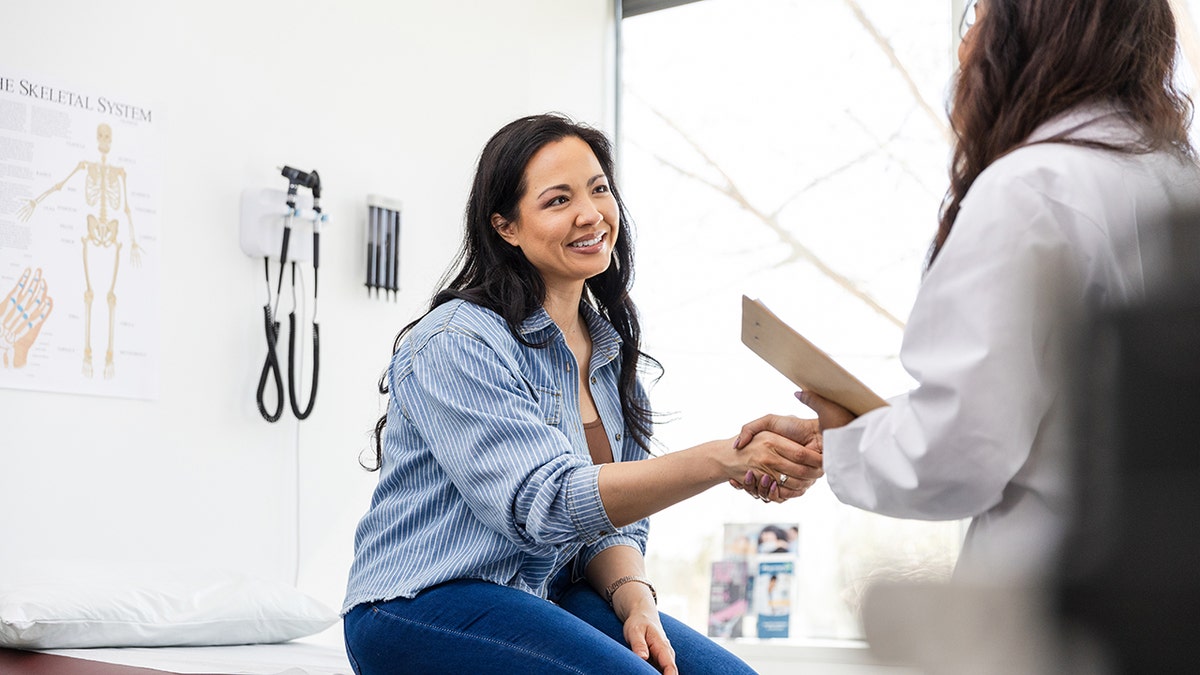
(796, 651)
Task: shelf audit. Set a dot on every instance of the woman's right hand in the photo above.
(643, 627)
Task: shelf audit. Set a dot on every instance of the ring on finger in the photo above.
(782, 479)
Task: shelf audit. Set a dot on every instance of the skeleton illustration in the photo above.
(105, 187)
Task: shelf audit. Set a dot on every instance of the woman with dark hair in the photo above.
(1071, 147)
(508, 528)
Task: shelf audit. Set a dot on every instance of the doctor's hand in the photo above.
(795, 440)
(829, 414)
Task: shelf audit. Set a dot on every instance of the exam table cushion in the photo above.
(77, 605)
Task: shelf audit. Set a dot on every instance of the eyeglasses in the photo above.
(968, 19)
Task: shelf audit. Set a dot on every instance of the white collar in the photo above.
(1104, 121)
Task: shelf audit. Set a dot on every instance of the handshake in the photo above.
(783, 455)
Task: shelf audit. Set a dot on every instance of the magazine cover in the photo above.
(729, 598)
(744, 541)
(773, 597)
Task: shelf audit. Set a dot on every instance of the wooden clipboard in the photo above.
(801, 361)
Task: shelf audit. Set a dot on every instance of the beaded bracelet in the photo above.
(612, 588)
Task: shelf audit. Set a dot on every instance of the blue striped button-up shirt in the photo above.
(486, 472)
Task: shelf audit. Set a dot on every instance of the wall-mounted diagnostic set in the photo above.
(268, 218)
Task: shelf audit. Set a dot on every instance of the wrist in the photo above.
(641, 607)
(634, 599)
(726, 461)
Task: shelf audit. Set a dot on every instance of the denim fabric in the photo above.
(486, 472)
(479, 627)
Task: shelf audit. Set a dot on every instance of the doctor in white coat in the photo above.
(1071, 144)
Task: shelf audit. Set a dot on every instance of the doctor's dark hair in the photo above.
(1029, 61)
(491, 273)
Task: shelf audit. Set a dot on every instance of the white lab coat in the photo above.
(1043, 233)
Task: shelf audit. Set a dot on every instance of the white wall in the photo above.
(394, 98)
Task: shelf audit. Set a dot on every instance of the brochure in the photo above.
(744, 541)
(729, 600)
(773, 597)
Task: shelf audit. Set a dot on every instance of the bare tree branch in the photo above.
(885, 146)
(820, 179)
(730, 189)
(886, 47)
(798, 250)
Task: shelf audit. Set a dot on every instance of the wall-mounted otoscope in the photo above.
(296, 179)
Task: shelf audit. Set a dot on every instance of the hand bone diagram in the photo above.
(22, 315)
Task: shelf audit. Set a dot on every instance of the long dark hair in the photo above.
(493, 274)
(1032, 60)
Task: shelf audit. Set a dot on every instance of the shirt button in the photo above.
(618, 436)
(593, 379)
(603, 533)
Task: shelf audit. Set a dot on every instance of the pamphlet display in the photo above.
(752, 584)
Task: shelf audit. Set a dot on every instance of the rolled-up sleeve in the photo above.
(488, 432)
(635, 534)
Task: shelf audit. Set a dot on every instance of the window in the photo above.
(794, 152)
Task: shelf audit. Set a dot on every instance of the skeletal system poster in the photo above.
(80, 220)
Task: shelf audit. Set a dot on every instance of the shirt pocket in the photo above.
(550, 402)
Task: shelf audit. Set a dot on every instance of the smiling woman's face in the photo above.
(567, 221)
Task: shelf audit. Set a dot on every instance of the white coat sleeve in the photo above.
(980, 344)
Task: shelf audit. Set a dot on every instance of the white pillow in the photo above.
(76, 605)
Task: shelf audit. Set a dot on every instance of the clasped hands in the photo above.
(785, 453)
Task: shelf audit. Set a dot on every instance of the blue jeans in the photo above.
(470, 626)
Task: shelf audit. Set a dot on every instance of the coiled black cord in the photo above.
(271, 368)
